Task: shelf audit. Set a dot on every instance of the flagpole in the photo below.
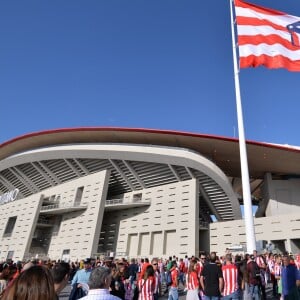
(248, 215)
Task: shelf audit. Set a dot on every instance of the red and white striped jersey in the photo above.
(192, 281)
(230, 276)
(260, 261)
(146, 288)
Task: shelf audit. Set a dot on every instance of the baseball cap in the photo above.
(87, 261)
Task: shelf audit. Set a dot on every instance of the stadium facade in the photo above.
(80, 192)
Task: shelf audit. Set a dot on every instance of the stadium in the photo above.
(130, 192)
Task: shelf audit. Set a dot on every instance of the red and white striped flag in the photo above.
(267, 37)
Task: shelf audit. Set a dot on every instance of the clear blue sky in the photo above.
(164, 64)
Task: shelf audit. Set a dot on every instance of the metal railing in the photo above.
(60, 205)
(114, 201)
(107, 202)
(124, 201)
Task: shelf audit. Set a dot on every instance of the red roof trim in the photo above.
(144, 130)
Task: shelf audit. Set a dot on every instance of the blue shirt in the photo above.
(82, 276)
(289, 276)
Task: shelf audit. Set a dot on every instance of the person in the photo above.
(132, 270)
(211, 279)
(244, 284)
(271, 268)
(120, 276)
(182, 271)
(169, 265)
(80, 280)
(83, 275)
(277, 274)
(146, 285)
(192, 282)
(144, 267)
(290, 279)
(157, 289)
(173, 290)
(230, 276)
(60, 273)
(74, 269)
(140, 264)
(6, 277)
(253, 272)
(260, 260)
(35, 283)
(200, 264)
(99, 283)
(186, 262)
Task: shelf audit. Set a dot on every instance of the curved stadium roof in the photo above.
(37, 161)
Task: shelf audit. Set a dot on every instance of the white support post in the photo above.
(248, 214)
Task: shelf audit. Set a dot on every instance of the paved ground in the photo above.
(66, 292)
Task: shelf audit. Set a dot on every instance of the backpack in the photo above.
(168, 278)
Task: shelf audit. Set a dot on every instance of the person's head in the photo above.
(87, 263)
(254, 253)
(146, 260)
(60, 273)
(228, 259)
(173, 264)
(202, 257)
(108, 262)
(34, 283)
(238, 258)
(154, 263)
(100, 278)
(8, 273)
(149, 272)
(213, 257)
(132, 261)
(121, 267)
(192, 266)
(278, 259)
(286, 260)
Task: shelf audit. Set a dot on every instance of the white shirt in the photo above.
(99, 294)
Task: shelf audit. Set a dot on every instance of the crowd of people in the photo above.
(206, 277)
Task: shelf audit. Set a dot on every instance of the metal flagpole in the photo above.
(248, 215)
